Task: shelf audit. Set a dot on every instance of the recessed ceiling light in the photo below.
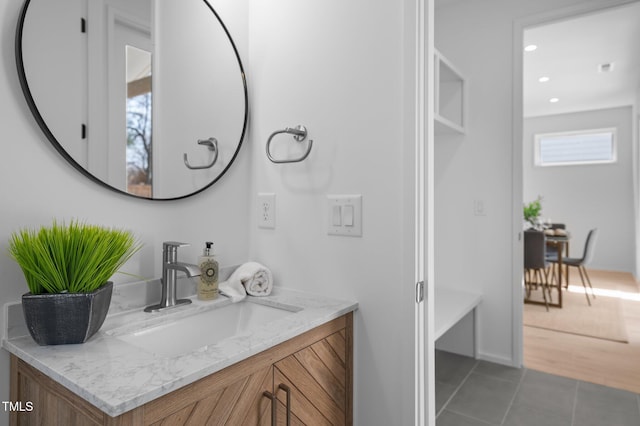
(544, 79)
(530, 48)
(554, 100)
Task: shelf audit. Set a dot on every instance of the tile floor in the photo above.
(479, 393)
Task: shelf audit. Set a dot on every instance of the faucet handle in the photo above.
(169, 247)
(174, 244)
(170, 251)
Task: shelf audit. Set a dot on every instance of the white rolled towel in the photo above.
(256, 278)
(233, 290)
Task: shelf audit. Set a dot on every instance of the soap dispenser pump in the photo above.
(208, 283)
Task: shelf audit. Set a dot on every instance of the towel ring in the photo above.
(299, 134)
(212, 144)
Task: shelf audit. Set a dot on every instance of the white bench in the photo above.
(455, 311)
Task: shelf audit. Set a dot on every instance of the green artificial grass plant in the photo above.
(74, 258)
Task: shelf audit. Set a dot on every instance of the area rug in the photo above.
(602, 320)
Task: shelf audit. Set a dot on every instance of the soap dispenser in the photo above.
(208, 283)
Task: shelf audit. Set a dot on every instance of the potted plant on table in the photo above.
(67, 269)
(532, 212)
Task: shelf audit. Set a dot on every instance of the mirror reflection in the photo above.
(126, 90)
(138, 112)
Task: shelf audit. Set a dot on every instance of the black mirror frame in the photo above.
(52, 139)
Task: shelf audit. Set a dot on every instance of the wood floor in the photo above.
(594, 360)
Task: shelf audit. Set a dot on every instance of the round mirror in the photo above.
(146, 97)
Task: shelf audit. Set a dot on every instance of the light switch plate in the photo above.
(479, 208)
(350, 209)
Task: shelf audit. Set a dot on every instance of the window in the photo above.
(573, 148)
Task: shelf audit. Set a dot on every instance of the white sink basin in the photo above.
(185, 334)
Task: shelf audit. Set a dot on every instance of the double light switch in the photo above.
(345, 215)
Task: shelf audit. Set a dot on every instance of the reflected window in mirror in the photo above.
(139, 123)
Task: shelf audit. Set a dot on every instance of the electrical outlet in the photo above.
(267, 210)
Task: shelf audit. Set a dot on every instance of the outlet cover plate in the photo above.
(266, 210)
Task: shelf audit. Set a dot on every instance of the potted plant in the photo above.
(67, 269)
(532, 212)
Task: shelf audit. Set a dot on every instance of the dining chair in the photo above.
(581, 262)
(536, 266)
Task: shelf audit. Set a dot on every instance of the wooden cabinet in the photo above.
(308, 378)
(316, 380)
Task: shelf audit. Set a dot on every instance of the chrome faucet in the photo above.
(170, 268)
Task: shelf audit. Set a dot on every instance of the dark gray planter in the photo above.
(66, 318)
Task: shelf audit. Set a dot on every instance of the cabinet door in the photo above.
(318, 379)
(239, 403)
(45, 402)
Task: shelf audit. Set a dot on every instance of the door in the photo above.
(424, 211)
(312, 386)
(240, 402)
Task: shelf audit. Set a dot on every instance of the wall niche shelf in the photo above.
(450, 97)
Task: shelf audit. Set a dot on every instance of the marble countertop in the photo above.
(116, 376)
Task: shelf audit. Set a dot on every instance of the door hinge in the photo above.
(83, 131)
(419, 291)
(83, 25)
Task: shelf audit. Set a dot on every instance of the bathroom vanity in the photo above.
(298, 365)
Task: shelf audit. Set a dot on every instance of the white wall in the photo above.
(588, 196)
(37, 185)
(475, 252)
(338, 70)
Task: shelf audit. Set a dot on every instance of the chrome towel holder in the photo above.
(212, 144)
(299, 134)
